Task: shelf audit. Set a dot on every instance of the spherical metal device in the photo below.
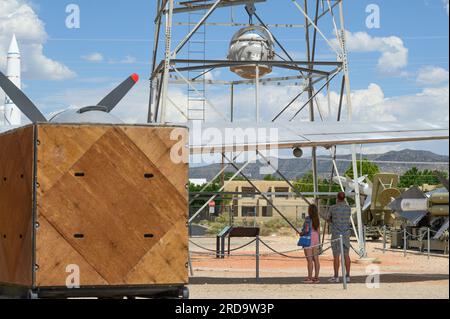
(298, 152)
(254, 43)
(93, 115)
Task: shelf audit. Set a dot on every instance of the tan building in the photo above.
(250, 205)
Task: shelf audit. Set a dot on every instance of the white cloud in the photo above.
(129, 60)
(370, 105)
(16, 16)
(394, 54)
(132, 109)
(93, 57)
(98, 57)
(432, 76)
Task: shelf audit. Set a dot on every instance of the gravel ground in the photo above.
(413, 277)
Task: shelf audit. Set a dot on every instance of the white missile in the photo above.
(12, 114)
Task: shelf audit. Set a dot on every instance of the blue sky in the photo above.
(421, 24)
(120, 35)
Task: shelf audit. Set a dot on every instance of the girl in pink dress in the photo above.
(312, 252)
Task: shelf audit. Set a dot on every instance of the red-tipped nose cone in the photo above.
(135, 77)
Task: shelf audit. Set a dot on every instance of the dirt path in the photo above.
(234, 277)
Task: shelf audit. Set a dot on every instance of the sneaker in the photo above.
(334, 280)
(348, 280)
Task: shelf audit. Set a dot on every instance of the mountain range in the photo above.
(392, 162)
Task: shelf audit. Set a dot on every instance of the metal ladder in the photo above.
(196, 100)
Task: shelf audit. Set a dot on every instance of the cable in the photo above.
(243, 246)
(284, 254)
(211, 252)
(201, 247)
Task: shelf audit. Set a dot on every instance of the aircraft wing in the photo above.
(249, 136)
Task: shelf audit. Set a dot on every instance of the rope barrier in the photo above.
(243, 246)
(221, 255)
(258, 255)
(294, 257)
(201, 247)
(419, 237)
(300, 249)
(214, 251)
(412, 235)
(274, 251)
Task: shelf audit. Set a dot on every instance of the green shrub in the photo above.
(275, 226)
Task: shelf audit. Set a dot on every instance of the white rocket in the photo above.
(11, 113)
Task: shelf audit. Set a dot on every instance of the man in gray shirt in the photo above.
(339, 218)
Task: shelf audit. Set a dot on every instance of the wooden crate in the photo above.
(16, 206)
(108, 200)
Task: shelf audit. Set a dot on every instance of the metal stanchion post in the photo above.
(344, 271)
(365, 241)
(405, 234)
(218, 247)
(384, 239)
(257, 258)
(222, 248)
(191, 270)
(429, 242)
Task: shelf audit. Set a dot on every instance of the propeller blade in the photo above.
(116, 95)
(367, 203)
(362, 179)
(21, 100)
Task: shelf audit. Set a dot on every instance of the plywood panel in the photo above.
(61, 151)
(162, 142)
(53, 260)
(166, 262)
(16, 178)
(113, 205)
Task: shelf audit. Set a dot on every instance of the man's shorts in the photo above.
(336, 245)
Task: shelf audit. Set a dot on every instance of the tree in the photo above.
(214, 187)
(193, 188)
(306, 184)
(368, 168)
(270, 178)
(326, 186)
(229, 175)
(416, 177)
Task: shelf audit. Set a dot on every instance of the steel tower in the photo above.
(311, 76)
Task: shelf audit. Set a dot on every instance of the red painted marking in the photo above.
(135, 77)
